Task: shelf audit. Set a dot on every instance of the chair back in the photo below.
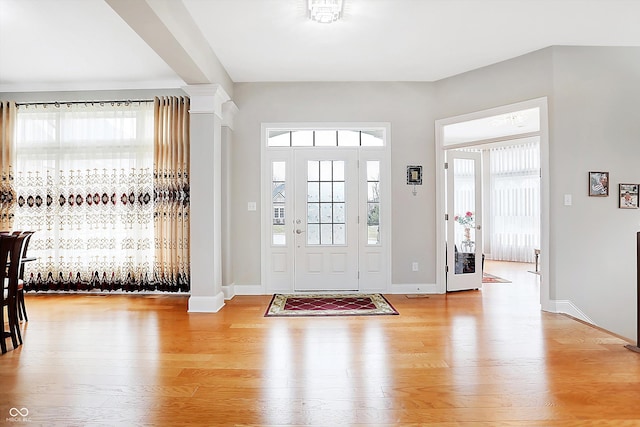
(7, 244)
(15, 263)
(23, 252)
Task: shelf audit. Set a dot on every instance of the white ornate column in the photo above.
(206, 196)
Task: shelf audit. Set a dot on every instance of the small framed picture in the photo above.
(414, 175)
(628, 196)
(598, 184)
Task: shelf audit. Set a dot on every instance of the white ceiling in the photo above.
(86, 44)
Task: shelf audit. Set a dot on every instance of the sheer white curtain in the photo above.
(84, 183)
(464, 198)
(515, 202)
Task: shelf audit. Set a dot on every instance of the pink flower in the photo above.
(465, 220)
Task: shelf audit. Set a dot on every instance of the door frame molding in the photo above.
(268, 154)
(440, 147)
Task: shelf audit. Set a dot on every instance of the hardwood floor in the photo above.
(477, 358)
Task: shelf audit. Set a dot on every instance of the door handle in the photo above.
(298, 231)
(478, 227)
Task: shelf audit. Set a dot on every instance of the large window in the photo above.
(515, 202)
(84, 183)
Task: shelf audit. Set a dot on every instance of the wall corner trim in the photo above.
(567, 307)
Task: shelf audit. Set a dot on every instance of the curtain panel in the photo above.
(515, 202)
(84, 183)
(7, 190)
(171, 193)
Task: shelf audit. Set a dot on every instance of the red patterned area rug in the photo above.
(283, 305)
(490, 278)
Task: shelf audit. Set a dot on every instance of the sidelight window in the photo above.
(373, 202)
(278, 236)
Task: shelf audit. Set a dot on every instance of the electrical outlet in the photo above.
(414, 266)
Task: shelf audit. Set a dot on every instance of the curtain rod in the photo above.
(60, 103)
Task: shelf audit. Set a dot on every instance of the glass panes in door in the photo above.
(326, 204)
(464, 203)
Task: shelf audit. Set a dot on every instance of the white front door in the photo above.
(326, 220)
(464, 213)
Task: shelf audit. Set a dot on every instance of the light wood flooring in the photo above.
(477, 358)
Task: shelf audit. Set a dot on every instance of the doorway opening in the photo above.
(508, 127)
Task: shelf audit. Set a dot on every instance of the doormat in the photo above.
(283, 305)
(490, 278)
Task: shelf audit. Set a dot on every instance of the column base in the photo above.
(198, 304)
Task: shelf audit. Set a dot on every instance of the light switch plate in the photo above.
(567, 199)
(251, 206)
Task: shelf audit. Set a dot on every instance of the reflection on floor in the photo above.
(491, 278)
(516, 272)
(488, 357)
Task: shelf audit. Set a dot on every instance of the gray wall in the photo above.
(519, 79)
(596, 127)
(409, 109)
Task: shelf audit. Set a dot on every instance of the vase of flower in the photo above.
(467, 221)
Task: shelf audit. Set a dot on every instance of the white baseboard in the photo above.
(405, 288)
(567, 307)
(249, 290)
(414, 288)
(229, 291)
(199, 304)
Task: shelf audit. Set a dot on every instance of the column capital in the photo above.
(206, 98)
(229, 111)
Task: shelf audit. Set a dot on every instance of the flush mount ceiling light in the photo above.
(325, 11)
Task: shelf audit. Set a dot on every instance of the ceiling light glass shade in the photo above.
(325, 11)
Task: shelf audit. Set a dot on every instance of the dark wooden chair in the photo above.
(8, 245)
(22, 308)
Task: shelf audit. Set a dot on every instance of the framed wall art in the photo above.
(598, 184)
(414, 175)
(628, 196)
